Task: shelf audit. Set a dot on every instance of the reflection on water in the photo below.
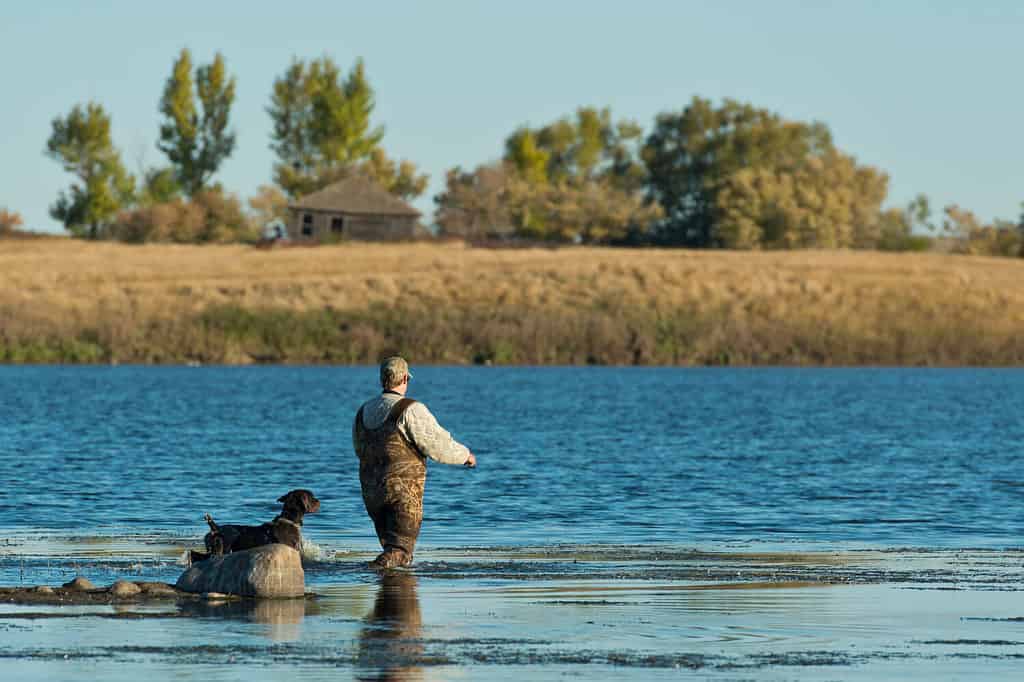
(390, 642)
(928, 619)
(282, 617)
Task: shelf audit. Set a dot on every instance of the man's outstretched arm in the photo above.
(422, 429)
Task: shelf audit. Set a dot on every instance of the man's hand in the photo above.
(471, 462)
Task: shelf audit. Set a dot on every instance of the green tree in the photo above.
(595, 212)
(526, 156)
(195, 137)
(575, 179)
(919, 214)
(81, 142)
(690, 154)
(587, 147)
(341, 115)
(291, 111)
(826, 202)
(322, 131)
(159, 186)
(401, 178)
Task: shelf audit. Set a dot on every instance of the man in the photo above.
(393, 436)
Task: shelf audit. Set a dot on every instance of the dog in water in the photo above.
(286, 528)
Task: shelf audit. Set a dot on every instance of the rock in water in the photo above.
(79, 584)
(156, 589)
(123, 588)
(267, 571)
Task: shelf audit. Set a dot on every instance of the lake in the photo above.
(617, 523)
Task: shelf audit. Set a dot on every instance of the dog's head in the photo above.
(300, 500)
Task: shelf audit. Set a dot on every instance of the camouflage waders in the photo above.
(392, 473)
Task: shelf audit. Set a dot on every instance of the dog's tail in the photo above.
(213, 524)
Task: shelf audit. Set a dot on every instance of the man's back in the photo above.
(417, 425)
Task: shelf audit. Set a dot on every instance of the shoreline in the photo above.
(880, 614)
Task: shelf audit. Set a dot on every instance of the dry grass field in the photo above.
(73, 301)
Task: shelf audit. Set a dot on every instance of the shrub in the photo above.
(9, 221)
(211, 216)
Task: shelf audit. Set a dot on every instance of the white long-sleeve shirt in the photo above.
(418, 426)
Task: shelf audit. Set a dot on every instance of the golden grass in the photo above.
(793, 307)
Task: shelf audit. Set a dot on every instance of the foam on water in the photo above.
(311, 551)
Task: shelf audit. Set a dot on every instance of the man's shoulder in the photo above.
(415, 408)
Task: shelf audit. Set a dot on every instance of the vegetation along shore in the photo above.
(77, 301)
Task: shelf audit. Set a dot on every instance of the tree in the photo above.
(473, 204)
(341, 115)
(269, 204)
(159, 186)
(322, 131)
(208, 217)
(400, 178)
(196, 142)
(595, 212)
(905, 229)
(691, 153)
(587, 147)
(10, 221)
(973, 236)
(496, 200)
(827, 201)
(81, 143)
(291, 111)
(526, 156)
(919, 214)
(575, 179)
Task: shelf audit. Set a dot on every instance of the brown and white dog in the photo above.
(286, 528)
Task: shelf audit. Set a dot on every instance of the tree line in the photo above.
(725, 175)
(321, 133)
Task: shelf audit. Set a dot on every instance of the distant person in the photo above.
(393, 436)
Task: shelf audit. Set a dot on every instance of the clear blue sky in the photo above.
(931, 92)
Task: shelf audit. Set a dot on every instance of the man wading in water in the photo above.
(392, 436)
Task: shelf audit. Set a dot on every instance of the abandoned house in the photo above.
(355, 208)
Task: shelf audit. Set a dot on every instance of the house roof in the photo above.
(355, 195)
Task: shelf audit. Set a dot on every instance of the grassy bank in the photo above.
(72, 301)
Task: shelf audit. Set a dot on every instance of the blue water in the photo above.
(666, 456)
(567, 552)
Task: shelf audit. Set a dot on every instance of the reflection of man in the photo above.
(390, 642)
(392, 436)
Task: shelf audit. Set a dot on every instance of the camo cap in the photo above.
(393, 370)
